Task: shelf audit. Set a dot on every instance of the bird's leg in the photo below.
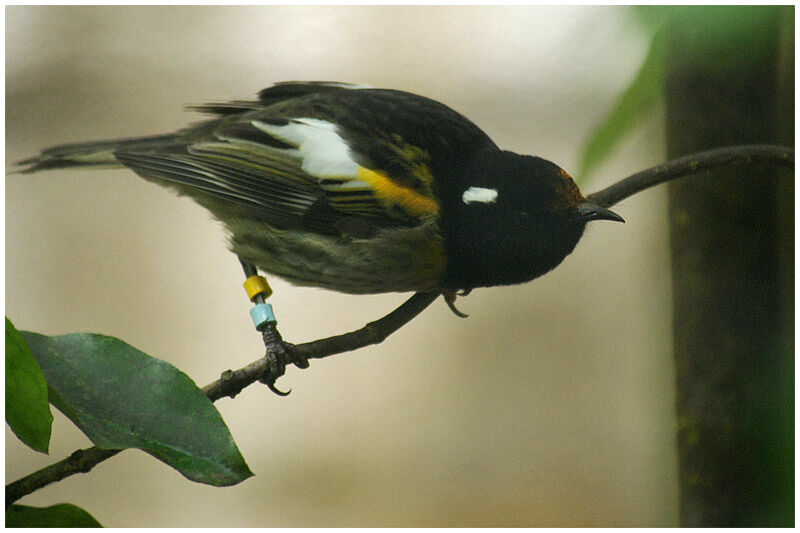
(279, 353)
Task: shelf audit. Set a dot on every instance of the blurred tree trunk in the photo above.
(730, 80)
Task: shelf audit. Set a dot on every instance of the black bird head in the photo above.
(512, 218)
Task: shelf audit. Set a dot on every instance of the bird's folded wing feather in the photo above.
(296, 172)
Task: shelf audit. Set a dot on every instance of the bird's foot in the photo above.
(450, 299)
(279, 354)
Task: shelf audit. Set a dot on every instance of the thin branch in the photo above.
(80, 461)
(693, 164)
(233, 381)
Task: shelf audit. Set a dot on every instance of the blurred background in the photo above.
(551, 405)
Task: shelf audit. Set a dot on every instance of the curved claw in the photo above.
(271, 386)
(450, 300)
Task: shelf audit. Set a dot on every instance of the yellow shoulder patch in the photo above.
(392, 193)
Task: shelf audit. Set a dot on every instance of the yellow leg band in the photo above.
(255, 285)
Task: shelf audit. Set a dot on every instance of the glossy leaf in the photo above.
(27, 407)
(61, 515)
(123, 398)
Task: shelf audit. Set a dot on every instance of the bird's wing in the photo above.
(305, 156)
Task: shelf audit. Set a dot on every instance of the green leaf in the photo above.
(123, 398)
(644, 91)
(27, 407)
(61, 515)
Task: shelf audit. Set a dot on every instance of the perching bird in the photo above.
(360, 190)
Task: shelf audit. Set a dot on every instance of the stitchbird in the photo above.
(360, 190)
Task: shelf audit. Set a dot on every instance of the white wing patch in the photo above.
(323, 152)
(480, 195)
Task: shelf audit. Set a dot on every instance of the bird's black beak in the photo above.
(591, 211)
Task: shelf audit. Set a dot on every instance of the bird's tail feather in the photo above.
(99, 154)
